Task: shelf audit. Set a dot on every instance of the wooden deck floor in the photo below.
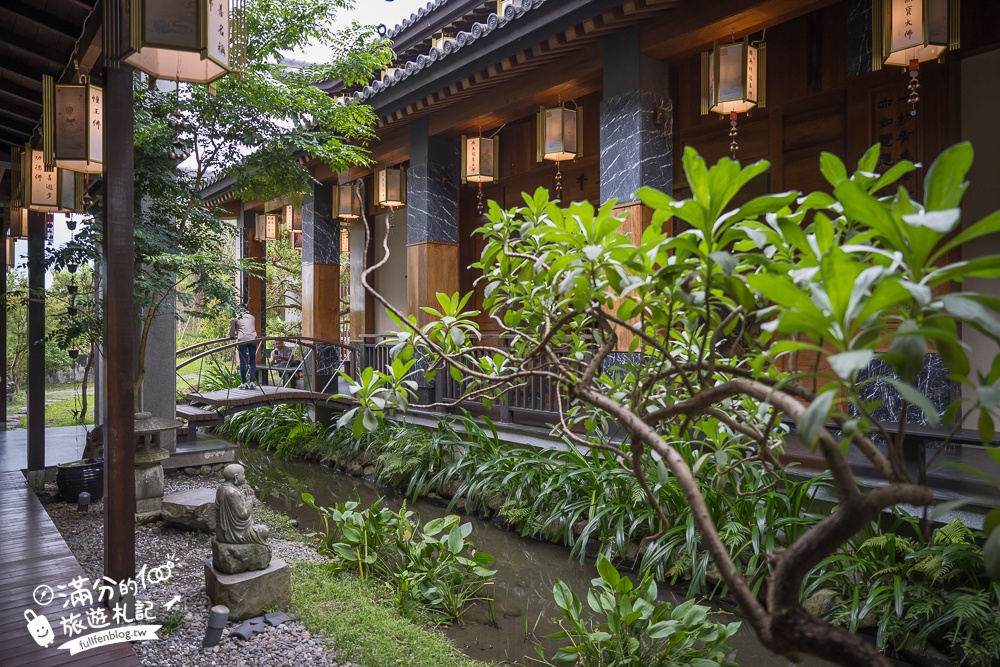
(32, 552)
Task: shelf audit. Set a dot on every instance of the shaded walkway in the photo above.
(62, 444)
(32, 553)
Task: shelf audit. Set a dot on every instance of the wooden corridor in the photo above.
(32, 553)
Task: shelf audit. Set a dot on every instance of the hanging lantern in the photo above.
(72, 125)
(909, 32)
(16, 216)
(295, 240)
(186, 40)
(71, 186)
(559, 133)
(292, 218)
(41, 186)
(732, 81)
(9, 251)
(267, 226)
(392, 186)
(479, 159)
(345, 203)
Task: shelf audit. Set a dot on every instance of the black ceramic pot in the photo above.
(79, 476)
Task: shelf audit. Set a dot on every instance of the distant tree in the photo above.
(253, 126)
(712, 313)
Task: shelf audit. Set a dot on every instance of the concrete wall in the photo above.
(980, 101)
(390, 280)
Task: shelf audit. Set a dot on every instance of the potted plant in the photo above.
(75, 477)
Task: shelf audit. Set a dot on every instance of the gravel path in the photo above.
(288, 644)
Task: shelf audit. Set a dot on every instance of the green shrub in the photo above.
(633, 629)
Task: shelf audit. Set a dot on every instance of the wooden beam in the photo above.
(695, 28)
(119, 324)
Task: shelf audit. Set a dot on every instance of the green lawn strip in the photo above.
(366, 630)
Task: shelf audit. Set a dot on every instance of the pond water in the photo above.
(526, 568)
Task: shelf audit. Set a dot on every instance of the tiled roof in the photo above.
(476, 31)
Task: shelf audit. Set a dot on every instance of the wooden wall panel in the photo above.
(321, 301)
(431, 268)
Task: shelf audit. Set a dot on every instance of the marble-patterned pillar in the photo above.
(636, 121)
(431, 219)
(320, 265)
(859, 37)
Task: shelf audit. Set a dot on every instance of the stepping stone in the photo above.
(194, 508)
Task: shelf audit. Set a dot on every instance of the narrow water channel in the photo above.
(526, 568)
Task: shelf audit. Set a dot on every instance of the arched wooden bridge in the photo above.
(208, 377)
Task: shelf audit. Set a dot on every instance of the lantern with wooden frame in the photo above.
(16, 216)
(732, 81)
(9, 246)
(345, 203)
(266, 226)
(391, 190)
(480, 163)
(909, 32)
(41, 183)
(72, 125)
(295, 240)
(560, 137)
(197, 41)
(292, 218)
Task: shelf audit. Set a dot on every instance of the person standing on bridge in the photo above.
(243, 328)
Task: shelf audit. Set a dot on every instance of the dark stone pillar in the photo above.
(431, 219)
(36, 343)
(859, 37)
(636, 121)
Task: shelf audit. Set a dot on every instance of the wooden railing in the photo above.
(538, 397)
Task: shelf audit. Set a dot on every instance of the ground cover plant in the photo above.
(715, 297)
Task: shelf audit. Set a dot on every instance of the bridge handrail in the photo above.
(230, 343)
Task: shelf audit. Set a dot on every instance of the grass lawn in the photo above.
(60, 403)
(366, 629)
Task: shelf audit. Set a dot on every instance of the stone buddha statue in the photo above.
(239, 545)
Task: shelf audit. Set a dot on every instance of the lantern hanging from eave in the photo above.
(185, 40)
(480, 163)
(9, 251)
(560, 137)
(291, 217)
(733, 81)
(345, 203)
(15, 213)
(267, 226)
(909, 32)
(295, 240)
(391, 186)
(41, 183)
(72, 125)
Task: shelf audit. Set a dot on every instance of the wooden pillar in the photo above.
(431, 220)
(119, 324)
(36, 345)
(320, 265)
(253, 288)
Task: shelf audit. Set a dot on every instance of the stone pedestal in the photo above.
(248, 594)
(194, 508)
(149, 484)
(236, 558)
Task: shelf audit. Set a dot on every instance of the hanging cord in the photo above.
(72, 60)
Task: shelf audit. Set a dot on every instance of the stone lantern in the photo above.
(148, 466)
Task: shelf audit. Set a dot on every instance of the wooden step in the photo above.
(192, 414)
